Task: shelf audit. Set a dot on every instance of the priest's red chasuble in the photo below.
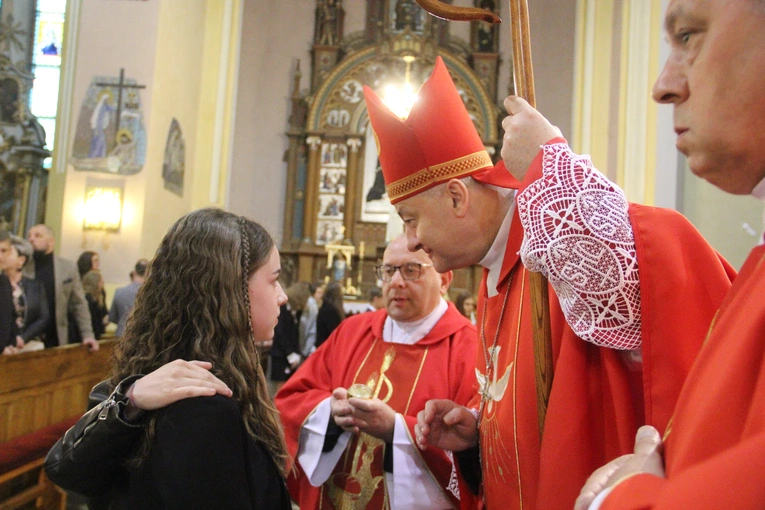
(714, 448)
(441, 365)
(597, 400)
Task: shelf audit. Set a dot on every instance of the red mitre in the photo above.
(437, 142)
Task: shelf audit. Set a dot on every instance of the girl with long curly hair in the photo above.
(211, 293)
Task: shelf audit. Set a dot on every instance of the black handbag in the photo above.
(89, 459)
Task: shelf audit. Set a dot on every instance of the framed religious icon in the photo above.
(334, 154)
(329, 231)
(332, 180)
(331, 207)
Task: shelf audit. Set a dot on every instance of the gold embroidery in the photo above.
(416, 379)
(669, 428)
(453, 169)
(490, 429)
(360, 470)
(364, 362)
(362, 475)
(515, 409)
(390, 355)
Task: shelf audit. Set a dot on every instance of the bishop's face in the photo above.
(431, 225)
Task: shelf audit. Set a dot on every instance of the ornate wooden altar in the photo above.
(23, 180)
(335, 193)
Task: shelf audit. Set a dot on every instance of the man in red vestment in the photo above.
(714, 449)
(621, 273)
(360, 453)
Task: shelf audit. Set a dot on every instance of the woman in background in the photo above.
(285, 351)
(30, 304)
(93, 285)
(87, 261)
(330, 314)
(465, 303)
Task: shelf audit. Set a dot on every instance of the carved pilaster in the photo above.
(351, 209)
(295, 134)
(311, 189)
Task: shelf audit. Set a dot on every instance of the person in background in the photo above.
(376, 300)
(93, 285)
(7, 324)
(330, 314)
(308, 320)
(465, 303)
(125, 296)
(285, 351)
(30, 305)
(63, 288)
(87, 261)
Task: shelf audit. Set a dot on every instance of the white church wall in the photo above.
(176, 95)
(275, 33)
(111, 35)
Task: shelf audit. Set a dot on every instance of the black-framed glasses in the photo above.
(409, 271)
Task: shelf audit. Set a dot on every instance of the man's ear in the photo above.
(446, 281)
(459, 195)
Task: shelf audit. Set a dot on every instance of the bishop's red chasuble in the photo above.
(441, 365)
(597, 402)
(714, 448)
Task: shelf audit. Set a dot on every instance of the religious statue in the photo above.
(338, 269)
(328, 35)
(408, 15)
(9, 100)
(485, 31)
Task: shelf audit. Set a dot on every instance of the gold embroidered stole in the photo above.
(358, 480)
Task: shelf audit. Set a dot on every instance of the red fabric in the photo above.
(24, 449)
(715, 450)
(347, 358)
(408, 146)
(593, 411)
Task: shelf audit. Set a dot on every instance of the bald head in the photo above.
(42, 239)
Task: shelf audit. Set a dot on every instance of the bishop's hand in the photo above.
(526, 130)
(446, 425)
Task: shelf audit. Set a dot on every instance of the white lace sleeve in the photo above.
(578, 234)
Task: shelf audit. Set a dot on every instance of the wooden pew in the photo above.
(41, 394)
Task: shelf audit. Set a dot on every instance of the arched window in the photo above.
(46, 66)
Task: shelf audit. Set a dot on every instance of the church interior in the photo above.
(117, 117)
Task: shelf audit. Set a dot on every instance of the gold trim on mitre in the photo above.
(453, 169)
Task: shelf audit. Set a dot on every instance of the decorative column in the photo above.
(312, 186)
(351, 209)
(295, 135)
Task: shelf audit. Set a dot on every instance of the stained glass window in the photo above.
(46, 65)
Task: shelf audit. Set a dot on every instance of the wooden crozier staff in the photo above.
(523, 76)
